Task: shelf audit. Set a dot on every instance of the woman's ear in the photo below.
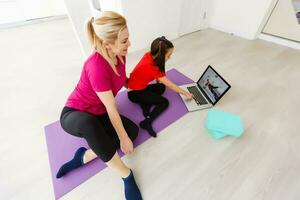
(106, 45)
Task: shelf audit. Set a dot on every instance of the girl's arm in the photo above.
(108, 100)
(168, 83)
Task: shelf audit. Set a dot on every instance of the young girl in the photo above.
(152, 67)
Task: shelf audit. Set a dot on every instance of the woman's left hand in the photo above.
(126, 145)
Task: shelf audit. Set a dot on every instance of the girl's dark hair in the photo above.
(159, 48)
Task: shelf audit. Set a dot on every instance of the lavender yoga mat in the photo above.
(61, 146)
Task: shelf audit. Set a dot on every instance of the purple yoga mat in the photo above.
(61, 146)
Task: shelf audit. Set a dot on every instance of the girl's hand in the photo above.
(189, 96)
(126, 145)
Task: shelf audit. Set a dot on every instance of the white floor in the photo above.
(41, 63)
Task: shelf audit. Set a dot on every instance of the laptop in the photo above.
(208, 90)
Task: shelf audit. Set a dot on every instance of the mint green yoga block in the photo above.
(220, 124)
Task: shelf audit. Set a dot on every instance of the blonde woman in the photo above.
(91, 112)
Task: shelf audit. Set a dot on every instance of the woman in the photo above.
(90, 111)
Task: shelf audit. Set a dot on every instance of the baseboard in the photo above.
(281, 41)
(33, 21)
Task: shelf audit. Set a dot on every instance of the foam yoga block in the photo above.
(61, 146)
(220, 124)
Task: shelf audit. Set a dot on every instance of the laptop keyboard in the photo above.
(197, 95)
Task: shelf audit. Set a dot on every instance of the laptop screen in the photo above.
(213, 85)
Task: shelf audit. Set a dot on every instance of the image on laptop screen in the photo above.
(212, 84)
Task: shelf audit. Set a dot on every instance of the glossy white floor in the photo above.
(41, 63)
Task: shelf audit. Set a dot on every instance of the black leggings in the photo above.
(152, 95)
(97, 130)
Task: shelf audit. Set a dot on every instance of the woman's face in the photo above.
(120, 47)
(168, 54)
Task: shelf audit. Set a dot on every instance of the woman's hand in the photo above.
(126, 145)
(189, 96)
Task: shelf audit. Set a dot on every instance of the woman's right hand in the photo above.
(126, 145)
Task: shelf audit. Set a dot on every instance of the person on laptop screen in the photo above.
(152, 67)
(212, 89)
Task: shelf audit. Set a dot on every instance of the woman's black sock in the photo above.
(76, 162)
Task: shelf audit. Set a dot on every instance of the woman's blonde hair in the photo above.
(105, 28)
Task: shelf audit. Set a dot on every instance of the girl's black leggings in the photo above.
(97, 130)
(152, 95)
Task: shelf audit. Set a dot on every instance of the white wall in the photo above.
(34, 9)
(146, 19)
(150, 19)
(244, 18)
(115, 5)
(78, 12)
(16, 11)
(10, 11)
(171, 18)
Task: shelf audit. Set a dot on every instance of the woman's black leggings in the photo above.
(97, 130)
(148, 97)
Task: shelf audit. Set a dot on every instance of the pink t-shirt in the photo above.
(96, 76)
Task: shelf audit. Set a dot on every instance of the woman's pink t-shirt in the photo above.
(97, 76)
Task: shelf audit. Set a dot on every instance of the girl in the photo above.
(90, 111)
(152, 67)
